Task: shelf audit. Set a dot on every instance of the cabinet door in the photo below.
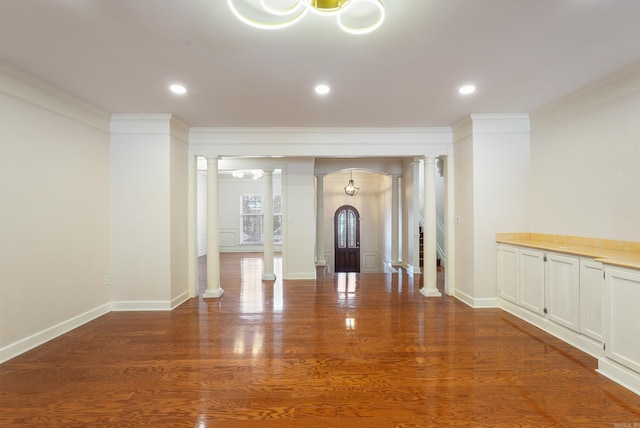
(563, 290)
(508, 272)
(591, 297)
(531, 280)
(622, 317)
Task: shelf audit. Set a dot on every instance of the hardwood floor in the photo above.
(365, 350)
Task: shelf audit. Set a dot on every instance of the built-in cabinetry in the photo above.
(554, 287)
(589, 302)
(591, 297)
(622, 319)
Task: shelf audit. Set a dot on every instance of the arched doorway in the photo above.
(346, 232)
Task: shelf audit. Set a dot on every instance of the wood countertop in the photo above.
(611, 252)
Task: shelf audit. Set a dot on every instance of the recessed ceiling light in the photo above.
(178, 89)
(467, 89)
(322, 89)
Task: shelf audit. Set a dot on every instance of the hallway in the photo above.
(364, 350)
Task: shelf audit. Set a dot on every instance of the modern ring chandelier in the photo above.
(353, 16)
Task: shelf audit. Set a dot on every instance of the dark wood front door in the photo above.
(346, 234)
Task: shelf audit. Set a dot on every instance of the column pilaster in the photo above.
(320, 260)
(395, 204)
(449, 228)
(415, 258)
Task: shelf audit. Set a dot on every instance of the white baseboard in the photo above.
(476, 303)
(141, 305)
(14, 349)
(300, 276)
(575, 339)
(411, 270)
(180, 299)
(619, 374)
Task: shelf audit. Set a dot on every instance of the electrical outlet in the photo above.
(107, 279)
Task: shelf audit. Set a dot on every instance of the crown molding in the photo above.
(508, 123)
(616, 85)
(21, 86)
(320, 142)
(150, 124)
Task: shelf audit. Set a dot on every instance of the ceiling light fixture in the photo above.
(255, 173)
(322, 89)
(178, 89)
(354, 16)
(350, 188)
(467, 90)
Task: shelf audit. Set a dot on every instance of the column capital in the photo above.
(212, 159)
(430, 158)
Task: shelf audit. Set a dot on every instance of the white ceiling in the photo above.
(120, 55)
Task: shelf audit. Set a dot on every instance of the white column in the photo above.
(395, 258)
(430, 265)
(213, 240)
(267, 227)
(449, 228)
(320, 260)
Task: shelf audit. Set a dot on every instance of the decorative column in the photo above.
(267, 229)
(213, 240)
(430, 264)
(320, 260)
(395, 198)
(449, 228)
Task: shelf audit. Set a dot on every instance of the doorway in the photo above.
(346, 232)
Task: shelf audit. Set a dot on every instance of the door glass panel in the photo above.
(352, 229)
(342, 230)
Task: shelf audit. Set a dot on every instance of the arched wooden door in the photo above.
(346, 232)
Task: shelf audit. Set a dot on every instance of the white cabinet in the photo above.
(622, 317)
(508, 273)
(563, 290)
(531, 279)
(560, 288)
(591, 297)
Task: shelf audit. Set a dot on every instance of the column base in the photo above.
(321, 262)
(269, 277)
(213, 294)
(432, 292)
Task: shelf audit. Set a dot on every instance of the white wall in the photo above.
(179, 195)
(148, 213)
(501, 173)
(298, 195)
(367, 202)
(384, 231)
(585, 162)
(230, 189)
(54, 192)
(491, 176)
(463, 201)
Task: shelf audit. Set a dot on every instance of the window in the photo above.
(252, 217)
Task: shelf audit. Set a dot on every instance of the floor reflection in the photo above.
(252, 287)
(346, 282)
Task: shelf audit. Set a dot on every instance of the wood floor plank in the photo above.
(311, 353)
